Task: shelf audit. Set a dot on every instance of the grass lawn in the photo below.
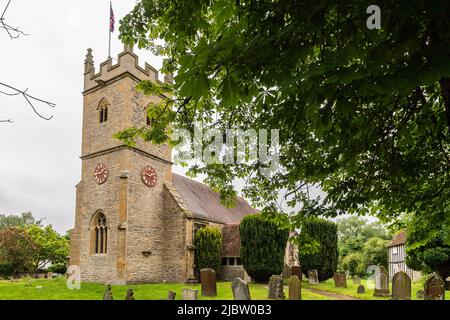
(351, 290)
(56, 289)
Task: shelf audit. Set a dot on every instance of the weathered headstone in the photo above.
(381, 283)
(313, 277)
(434, 288)
(189, 294)
(130, 295)
(401, 286)
(361, 289)
(171, 295)
(208, 280)
(108, 293)
(286, 272)
(295, 288)
(276, 290)
(297, 271)
(340, 279)
(356, 280)
(240, 289)
(50, 275)
(420, 294)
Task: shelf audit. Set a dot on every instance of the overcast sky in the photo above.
(39, 160)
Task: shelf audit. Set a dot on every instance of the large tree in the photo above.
(363, 114)
(429, 252)
(354, 232)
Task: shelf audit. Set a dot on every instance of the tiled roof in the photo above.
(231, 242)
(399, 239)
(204, 203)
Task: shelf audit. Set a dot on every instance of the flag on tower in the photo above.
(111, 18)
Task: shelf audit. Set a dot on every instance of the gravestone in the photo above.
(340, 279)
(208, 280)
(295, 288)
(420, 294)
(286, 272)
(381, 283)
(130, 295)
(276, 290)
(189, 294)
(50, 275)
(361, 289)
(240, 289)
(313, 277)
(356, 280)
(297, 271)
(434, 288)
(108, 293)
(401, 286)
(171, 295)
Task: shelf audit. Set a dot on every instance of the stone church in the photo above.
(135, 219)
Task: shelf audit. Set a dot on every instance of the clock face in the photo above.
(149, 176)
(101, 173)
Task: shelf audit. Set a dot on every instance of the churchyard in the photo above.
(278, 288)
(56, 289)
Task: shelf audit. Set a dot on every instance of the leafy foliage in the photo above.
(354, 264)
(362, 241)
(22, 220)
(51, 247)
(263, 244)
(60, 268)
(375, 252)
(363, 114)
(16, 250)
(208, 245)
(325, 260)
(429, 254)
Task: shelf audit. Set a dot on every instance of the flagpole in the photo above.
(109, 28)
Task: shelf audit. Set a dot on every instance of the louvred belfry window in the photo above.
(103, 110)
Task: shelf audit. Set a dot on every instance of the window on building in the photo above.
(394, 250)
(103, 110)
(224, 261)
(101, 234)
(238, 262)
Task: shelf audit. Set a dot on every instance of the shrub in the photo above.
(59, 268)
(326, 258)
(263, 246)
(354, 264)
(375, 252)
(6, 270)
(208, 245)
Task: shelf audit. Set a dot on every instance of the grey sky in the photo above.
(39, 164)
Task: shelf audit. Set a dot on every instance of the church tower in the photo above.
(120, 234)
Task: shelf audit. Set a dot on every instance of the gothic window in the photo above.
(103, 110)
(100, 234)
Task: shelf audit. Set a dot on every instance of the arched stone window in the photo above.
(103, 110)
(99, 234)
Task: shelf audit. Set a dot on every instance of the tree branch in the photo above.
(13, 33)
(29, 98)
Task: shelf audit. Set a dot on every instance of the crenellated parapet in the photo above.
(127, 65)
